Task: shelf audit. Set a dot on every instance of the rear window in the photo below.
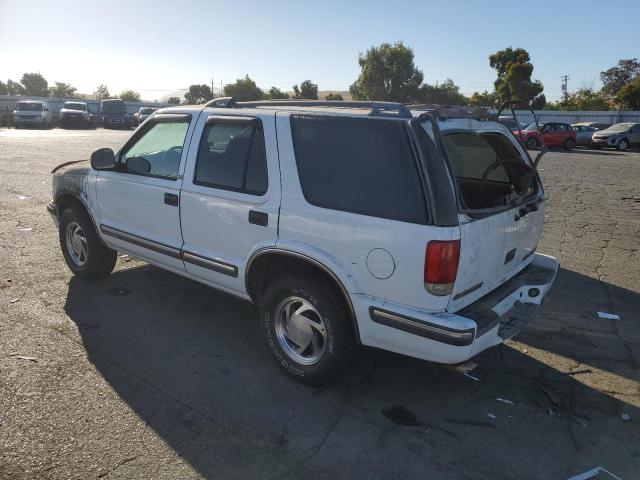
(358, 165)
(471, 155)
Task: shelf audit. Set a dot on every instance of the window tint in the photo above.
(563, 127)
(158, 151)
(232, 157)
(472, 154)
(358, 165)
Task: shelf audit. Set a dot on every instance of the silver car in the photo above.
(584, 134)
(620, 136)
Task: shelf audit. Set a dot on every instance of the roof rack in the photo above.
(391, 109)
(454, 111)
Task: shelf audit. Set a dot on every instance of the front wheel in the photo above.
(569, 144)
(531, 144)
(307, 328)
(622, 145)
(85, 254)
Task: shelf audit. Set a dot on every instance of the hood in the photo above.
(70, 110)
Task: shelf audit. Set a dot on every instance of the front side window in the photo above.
(358, 165)
(158, 151)
(232, 157)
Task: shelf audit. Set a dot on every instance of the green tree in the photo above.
(514, 69)
(307, 90)
(35, 85)
(616, 77)
(539, 102)
(102, 92)
(484, 99)
(334, 96)
(446, 93)
(198, 94)
(275, 94)
(4, 90)
(130, 96)
(14, 88)
(582, 99)
(629, 95)
(173, 100)
(243, 89)
(62, 90)
(387, 73)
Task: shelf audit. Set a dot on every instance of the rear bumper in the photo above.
(455, 337)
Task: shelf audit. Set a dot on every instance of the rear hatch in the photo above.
(501, 204)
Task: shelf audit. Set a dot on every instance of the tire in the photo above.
(86, 256)
(622, 145)
(531, 144)
(326, 328)
(569, 144)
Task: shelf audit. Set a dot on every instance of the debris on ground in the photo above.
(491, 415)
(505, 400)
(594, 473)
(25, 229)
(608, 316)
(625, 417)
(126, 258)
(401, 416)
(14, 300)
(471, 370)
(23, 197)
(119, 291)
(24, 357)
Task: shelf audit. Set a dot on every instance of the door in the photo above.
(634, 136)
(230, 196)
(551, 135)
(139, 202)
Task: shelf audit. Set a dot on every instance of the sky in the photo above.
(158, 47)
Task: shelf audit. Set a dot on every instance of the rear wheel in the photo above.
(569, 144)
(622, 145)
(85, 254)
(307, 328)
(531, 144)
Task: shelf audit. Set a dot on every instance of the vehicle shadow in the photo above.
(191, 363)
(587, 151)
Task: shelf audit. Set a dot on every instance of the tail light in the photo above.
(441, 266)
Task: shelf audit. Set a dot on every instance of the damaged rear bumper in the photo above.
(455, 337)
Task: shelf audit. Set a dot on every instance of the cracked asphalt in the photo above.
(149, 375)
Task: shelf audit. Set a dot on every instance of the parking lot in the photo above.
(151, 375)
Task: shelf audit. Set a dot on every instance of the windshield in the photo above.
(29, 106)
(75, 106)
(114, 106)
(620, 127)
(147, 111)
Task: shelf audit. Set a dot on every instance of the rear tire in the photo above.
(569, 144)
(531, 144)
(622, 145)
(86, 256)
(307, 328)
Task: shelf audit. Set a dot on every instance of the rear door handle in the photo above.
(171, 199)
(258, 218)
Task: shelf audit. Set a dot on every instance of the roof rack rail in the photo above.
(393, 109)
(455, 111)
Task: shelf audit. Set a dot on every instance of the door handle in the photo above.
(171, 199)
(258, 218)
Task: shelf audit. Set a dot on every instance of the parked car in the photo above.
(510, 123)
(619, 136)
(596, 125)
(346, 225)
(554, 135)
(583, 134)
(114, 114)
(32, 113)
(142, 114)
(74, 113)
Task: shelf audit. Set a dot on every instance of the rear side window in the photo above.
(471, 155)
(358, 165)
(232, 157)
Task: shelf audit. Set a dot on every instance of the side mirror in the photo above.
(103, 159)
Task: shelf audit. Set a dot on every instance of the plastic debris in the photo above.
(22, 197)
(608, 316)
(625, 417)
(25, 229)
(24, 357)
(594, 473)
(491, 415)
(505, 400)
(14, 300)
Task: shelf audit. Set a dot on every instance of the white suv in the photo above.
(347, 222)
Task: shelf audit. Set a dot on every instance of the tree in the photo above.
(387, 73)
(173, 100)
(307, 90)
(446, 93)
(275, 94)
(198, 94)
(616, 77)
(4, 90)
(484, 99)
(629, 95)
(102, 92)
(334, 96)
(243, 89)
(35, 85)
(63, 90)
(14, 88)
(514, 76)
(581, 99)
(130, 96)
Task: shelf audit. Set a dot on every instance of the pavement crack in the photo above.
(118, 465)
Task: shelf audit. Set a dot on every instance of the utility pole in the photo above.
(565, 92)
(212, 85)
